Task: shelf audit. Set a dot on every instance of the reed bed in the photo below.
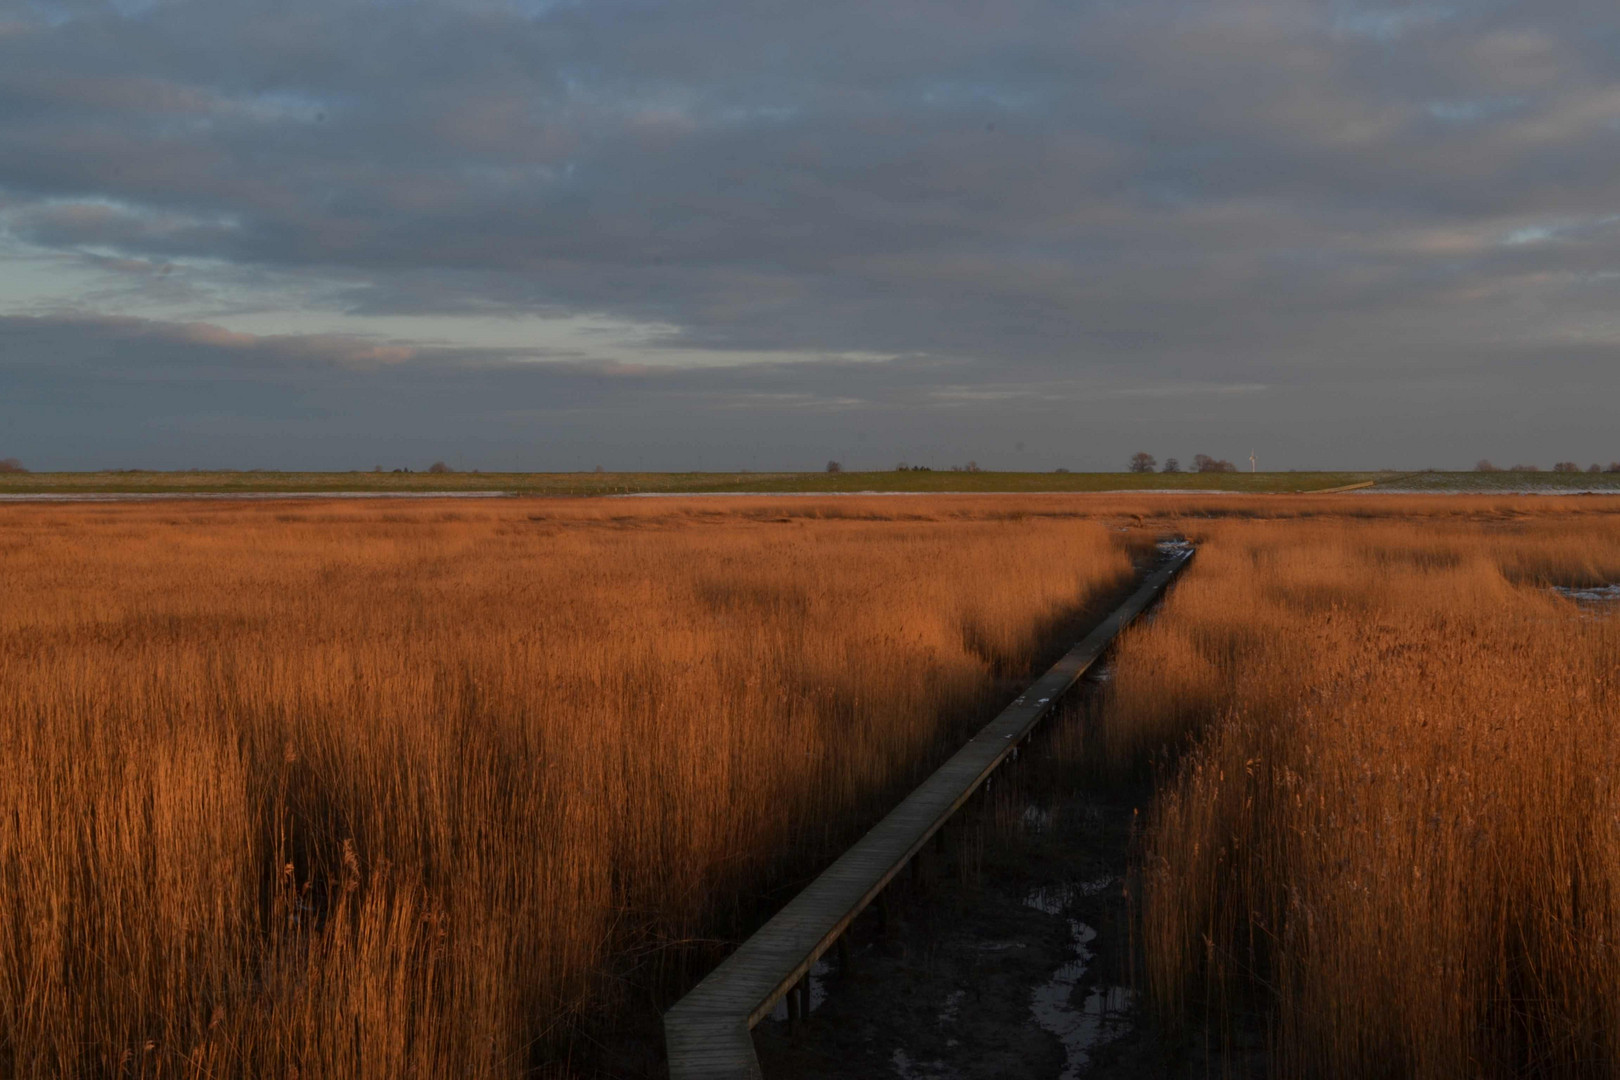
(1387, 837)
(338, 790)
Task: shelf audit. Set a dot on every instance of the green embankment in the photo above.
(1504, 482)
(196, 482)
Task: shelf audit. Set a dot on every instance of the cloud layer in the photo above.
(1353, 234)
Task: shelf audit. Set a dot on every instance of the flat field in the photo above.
(440, 788)
(1502, 482)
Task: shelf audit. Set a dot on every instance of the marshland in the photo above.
(383, 791)
(476, 789)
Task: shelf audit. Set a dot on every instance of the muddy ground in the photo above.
(1009, 954)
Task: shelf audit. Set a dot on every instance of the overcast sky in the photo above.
(756, 234)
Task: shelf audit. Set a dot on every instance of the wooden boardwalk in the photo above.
(707, 1031)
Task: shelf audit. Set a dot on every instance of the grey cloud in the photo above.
(86, 391)
(1023, 200)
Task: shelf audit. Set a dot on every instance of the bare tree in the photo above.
(1525, 468)
(1614, 466)
(11, 465)
(440, 467)
(1484, 465)
(1142, 461)
(833, 466)
(1566, 466)
(1205, 463)
(1594, 467)
(1171, 465)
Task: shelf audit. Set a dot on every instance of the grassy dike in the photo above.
(142, 482)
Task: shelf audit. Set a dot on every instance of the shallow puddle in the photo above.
(1100, 1016)
(1037, 819)
(1051, 899)
(1591, 595)
(949, 1011)
(818, 992)
(1591, 601)
(906, 1069)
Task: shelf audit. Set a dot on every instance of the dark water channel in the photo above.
(1008, 954)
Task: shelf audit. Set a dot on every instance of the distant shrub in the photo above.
(833, 466)
(1484, 465)
(11, 465)
(1060, 470)
(440, 467)
(1205, 463)
(1614, 466)
(1566, 466)
(1526, 468)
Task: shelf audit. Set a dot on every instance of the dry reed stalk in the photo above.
(369, 791)
(1396, 826)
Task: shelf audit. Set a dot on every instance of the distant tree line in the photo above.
(11, 465)
(1484, 465)
(1144, 462)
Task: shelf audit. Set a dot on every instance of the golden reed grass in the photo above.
(1395, 829)
(382, 790)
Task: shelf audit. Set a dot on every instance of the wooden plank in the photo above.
(707, 1031)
